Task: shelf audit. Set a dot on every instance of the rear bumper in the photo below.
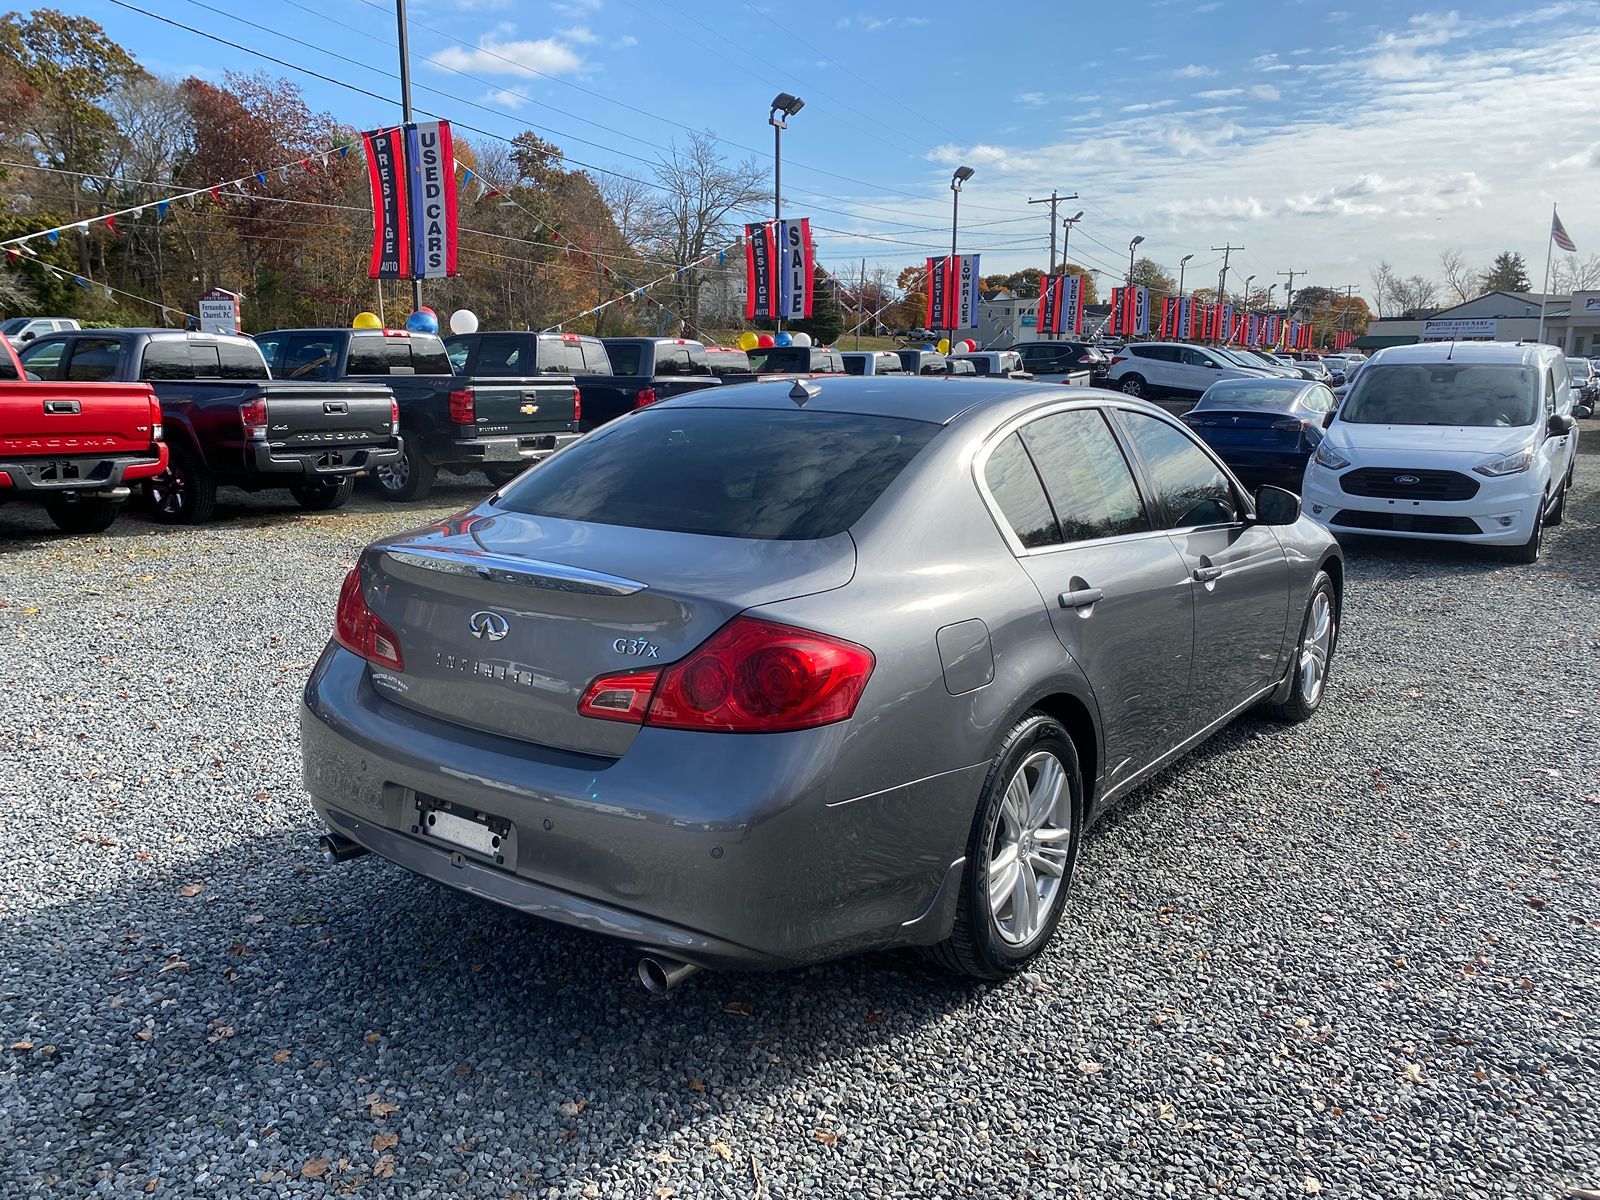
(509, 450)
(719, 849)
(42, 478)
(327, 462)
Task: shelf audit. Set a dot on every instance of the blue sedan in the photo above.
(1264, 429)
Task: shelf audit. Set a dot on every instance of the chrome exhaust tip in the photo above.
(660, 975)
(336, 849)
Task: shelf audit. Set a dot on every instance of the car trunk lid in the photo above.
(503, 625)
(1223, 427)
(316, 416)
(43, 419)
(520, 406)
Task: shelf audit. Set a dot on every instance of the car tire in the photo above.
(1557, 511)
(1132, 385)
(323, 494)
(1012, 830)
(1313, 655)
(500, 476)
(84, 516)
(185, 493)
(1528, 552)
(409, 478)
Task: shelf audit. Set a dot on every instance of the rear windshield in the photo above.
(749, 473)
(1443, 393)
(624, 357)
(1266, 396)
(1579, 368)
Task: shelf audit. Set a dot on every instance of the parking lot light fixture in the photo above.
(1182, 263)
(786, 105)
(962, 174)
(1248, 280)
(1139, 238)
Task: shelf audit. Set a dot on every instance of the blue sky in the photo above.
(1321, 137)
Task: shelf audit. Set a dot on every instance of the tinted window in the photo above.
(557, 356)
(673, 360)
(310, 356)
(426, 355)
(1159, 353)
(624, 357)
(727, 362)
(1015, 486)
(269, 347)
(207, 363)
(499, 354)
(733, 472)
(43, 357)
(595, 359)
(1189, 485)
(1277, 396)
(855, 364)
(367, 357)
(458, 349)
(1090, 485)
(166, 358)
(8, 367)
(1443, 393)
(94, 360)
(240, 360)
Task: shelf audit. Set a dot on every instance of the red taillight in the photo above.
(394, 415)
(1116, 358)
(752, 676)
(644, 397)
(577, 406)
(157, 431)
(358, 629)
(463, 407)
(1290, 424)
(254, 415)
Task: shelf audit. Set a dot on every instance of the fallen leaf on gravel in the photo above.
(219, 1033)
(826, 1137)
(316, 1168)
(190, 889)
(463, 1071)
(1166, 1112)
(384, 1167)
(1302, 1023)
(144, 1035)
(1089, 1068)
(662, 1157)
(573, 1107)
(1536, 903)
(1413, 1072)
(372, 1039)
(379, 1109)
(22, 1047)
(385, 1141)
(722, 1150)
(282, 1056)
(697, 1085)
(1313, 1186)
(665, 1193)
(739, 1008)
(173, 964)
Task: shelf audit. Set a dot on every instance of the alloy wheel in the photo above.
(1029, 847)
(1132, 387)
(1315, 645)
(169, 491)
(393, 475)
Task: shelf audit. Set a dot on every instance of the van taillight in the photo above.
(254, 415)
(463, 407)
(644, 397)
(359, 630)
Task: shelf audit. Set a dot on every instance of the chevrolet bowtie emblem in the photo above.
(529, 409)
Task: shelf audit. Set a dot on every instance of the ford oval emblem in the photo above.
(1406, 479)
(488, 625)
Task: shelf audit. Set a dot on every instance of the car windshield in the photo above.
(1235, 357)
(15, 325)
(1443, 393)
(728, 472)
(1271, 396)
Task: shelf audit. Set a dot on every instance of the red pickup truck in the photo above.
(75, 447)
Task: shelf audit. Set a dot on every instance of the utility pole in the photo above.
(1288, 294)
(1052, 200)
(1222, 275)
(861, 303)
(405, 108)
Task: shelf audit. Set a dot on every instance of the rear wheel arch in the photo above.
(1082, 726)
(177, 432)
(1334, 566)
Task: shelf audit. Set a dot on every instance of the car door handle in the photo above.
(1207, 574)
(1081, 597)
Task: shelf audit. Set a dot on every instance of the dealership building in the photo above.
(1571, 322)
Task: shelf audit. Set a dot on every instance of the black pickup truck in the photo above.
(227, 421)
(782, 362)
(497, 424)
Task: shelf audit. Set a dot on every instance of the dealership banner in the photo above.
(1061, 304)
(796, 269)
(953, 292)
(430, 156)
(386, 172)
(761, 271)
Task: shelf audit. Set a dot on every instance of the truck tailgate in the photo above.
(312, 416)
(528, 405)
(74, 419)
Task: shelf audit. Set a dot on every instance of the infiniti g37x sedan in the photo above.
(771, 674)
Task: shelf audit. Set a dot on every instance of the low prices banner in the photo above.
(953, 292)
(1061, 304)
(412, 173)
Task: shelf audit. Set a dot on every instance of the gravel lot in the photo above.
(1359, 958)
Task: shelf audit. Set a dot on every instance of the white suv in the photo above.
(1157, 369)
(1464, 441)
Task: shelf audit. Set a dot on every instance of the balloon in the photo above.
(929, 346)
(765, 341)
(783, 339)
(423, 321)
(944, 345)
(801, 339)
(366, 320)
(463, 320)
(969, 345)
(748, 340)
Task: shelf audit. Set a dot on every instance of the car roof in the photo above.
(1525, 354)
(914, 397)
(153, 330)
(1294, 388)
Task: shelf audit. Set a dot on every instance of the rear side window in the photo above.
(1015, 486)
(1191, 488)
(1090, 485)
(748, 473)
(166, 358)
(625, 357)
(427, 356)
(94, 360)
(43, 358)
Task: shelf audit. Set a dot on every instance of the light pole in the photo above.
(962, 174)
(1182, 263)
(787, 105)
(405, 110)
(1131, 245)
(1066, 233)
(1248, 280)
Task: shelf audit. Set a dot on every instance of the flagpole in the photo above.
(1549, 255)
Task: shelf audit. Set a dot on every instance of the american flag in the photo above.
(1559, 234)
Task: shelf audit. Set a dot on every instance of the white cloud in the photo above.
(1220, 93)
(1032, 99)
(1194, 71)
(872, 22)
(525, 57)
(1265, 91)
(575, 9)
(1147, 106)
(581, 34)
(504, 98)
(1584, 159)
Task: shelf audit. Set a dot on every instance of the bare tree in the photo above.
(1383, 279)
(1459, 278)
(1569, 273)
(1413, 294)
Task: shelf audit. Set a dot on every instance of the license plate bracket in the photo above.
(462, 827)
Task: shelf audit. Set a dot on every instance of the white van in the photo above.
(1462, 441)
(25, 329)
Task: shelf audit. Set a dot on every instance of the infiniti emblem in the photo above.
(490, 625)
(1406, 479)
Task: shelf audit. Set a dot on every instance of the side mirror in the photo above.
(27, 337)
(1276, 506)
(1327, 417)
(1559, 425)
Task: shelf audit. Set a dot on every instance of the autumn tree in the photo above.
(1148, 273)
(1089, 294)
(1507, 273)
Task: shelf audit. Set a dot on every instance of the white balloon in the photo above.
(463, 320)
(801, 339)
